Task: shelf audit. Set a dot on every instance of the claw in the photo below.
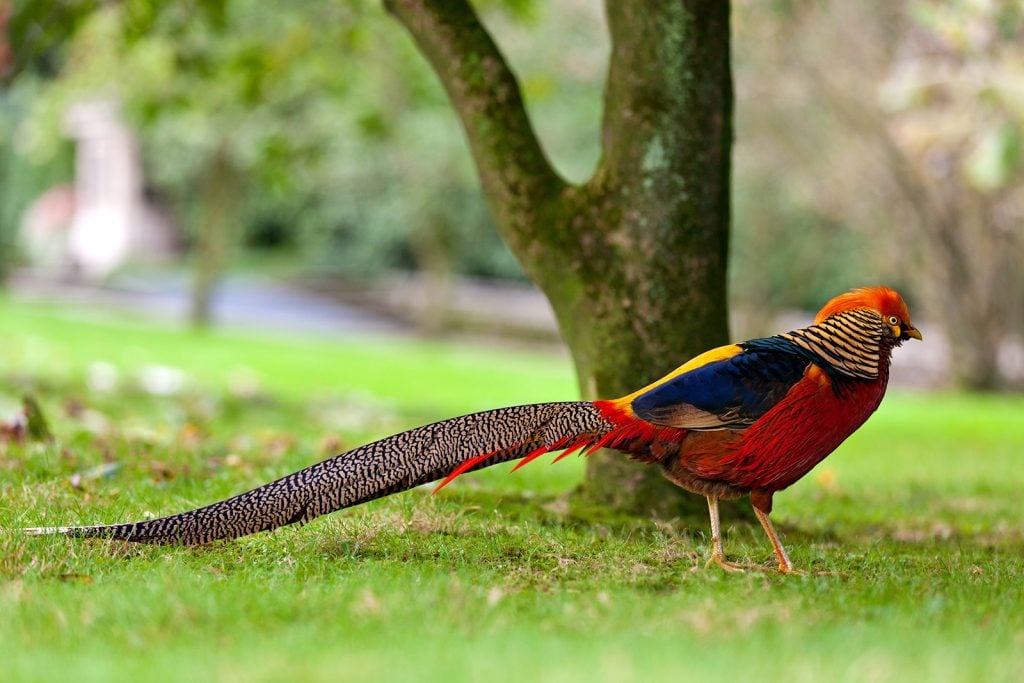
(725, 564)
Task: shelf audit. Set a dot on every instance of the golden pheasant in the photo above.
(744, 419)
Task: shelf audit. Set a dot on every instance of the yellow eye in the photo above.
(893, 320)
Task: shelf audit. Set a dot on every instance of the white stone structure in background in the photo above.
(107, 219)
(108, 188)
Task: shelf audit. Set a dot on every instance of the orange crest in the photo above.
(882, 299)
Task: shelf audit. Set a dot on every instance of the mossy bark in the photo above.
(634, 260)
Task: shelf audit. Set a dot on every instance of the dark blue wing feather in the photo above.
(729, 393)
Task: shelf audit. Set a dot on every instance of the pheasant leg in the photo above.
(717, 555)
(785, 566)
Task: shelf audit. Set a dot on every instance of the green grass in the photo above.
(498, 578)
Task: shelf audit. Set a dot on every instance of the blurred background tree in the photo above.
(886, 137)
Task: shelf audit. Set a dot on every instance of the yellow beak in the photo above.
(913, 333)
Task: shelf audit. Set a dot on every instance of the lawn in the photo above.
(500, 577)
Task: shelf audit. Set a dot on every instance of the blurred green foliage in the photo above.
(337, 133)
(37, 34)
(21, 180)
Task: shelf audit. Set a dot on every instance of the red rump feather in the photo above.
(630, 431)
(570, 450)
(626, 431)
(475, 460)
(541, 451)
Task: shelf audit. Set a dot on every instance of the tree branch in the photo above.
(518, 180)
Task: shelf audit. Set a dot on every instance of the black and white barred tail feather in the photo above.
(396, 463)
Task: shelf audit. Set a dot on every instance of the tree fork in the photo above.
(633, 261)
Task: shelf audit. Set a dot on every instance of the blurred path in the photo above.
(241, 301)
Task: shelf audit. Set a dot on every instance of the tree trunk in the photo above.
(634, 260)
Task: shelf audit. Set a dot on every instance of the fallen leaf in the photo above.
(367, 604)
(77, 578)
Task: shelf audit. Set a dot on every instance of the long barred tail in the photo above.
(396, 463)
